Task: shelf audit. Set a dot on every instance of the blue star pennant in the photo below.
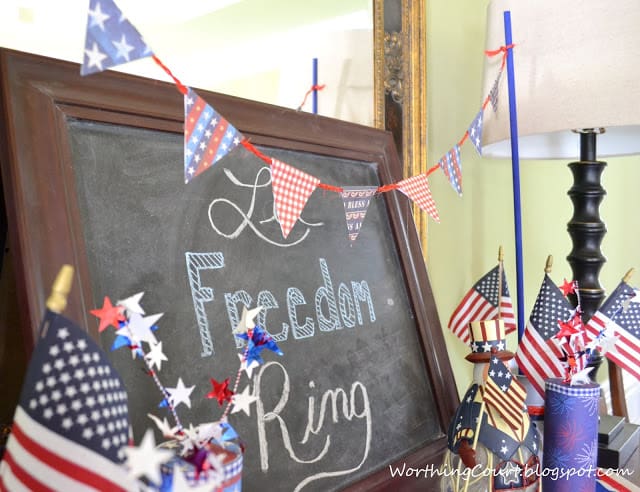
(110, 39)
(452, 167)
(475, 132)
(208, 137)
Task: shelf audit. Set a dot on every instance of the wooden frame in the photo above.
(400, 85)
(38, 95)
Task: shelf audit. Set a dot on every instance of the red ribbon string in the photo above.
(327, 187)
(181, 87)
(464, 137)
(249, 146)
(432, 169)
(502, 49)
(315, 87)
(389, 187)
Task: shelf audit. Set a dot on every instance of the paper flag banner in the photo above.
(417, 189)
(452, 167)
(493, 93)
(356, 202)
(110, 39)
(208, 137)
(291, 190)
(475, 132)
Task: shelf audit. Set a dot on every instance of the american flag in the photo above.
(538, 355)
(475, 132)
(624, 318)
(452, 167)
(506, 395)
(72, 419)
(208, 137)
(481, 303)
(110, 39)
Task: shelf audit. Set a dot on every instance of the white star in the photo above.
(145, 460)
(504, 450)
(487, 347)
(608, 344)
(98, 17)
(96, 57)
(164, 427)
(246, 320)
(248, 368)
(140, 328)
(63, 333)
(155, 356)
(123, 48)
(241, 401)
(132, 304)
(180, 394)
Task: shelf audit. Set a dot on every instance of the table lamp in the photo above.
(577, 84)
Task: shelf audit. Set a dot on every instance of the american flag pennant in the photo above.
(506, 395)
(623, 317)
(417, 189)
(475, 132)
(72, 419)
(291, 191)
(484, 302)
(538, 355)
(452, 167)
(493, 93)
(110, 39)
(356, 201)
(208, 137)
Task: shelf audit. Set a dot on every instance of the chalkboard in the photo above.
(364, 380)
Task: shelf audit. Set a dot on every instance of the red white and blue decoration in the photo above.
(451, 165)
(417, 189)
(488, 299)
(208, 136)
(111, 39)
(356, 201)
(72, 421)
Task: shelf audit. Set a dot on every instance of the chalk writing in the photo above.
(342, 407)
(246, 217)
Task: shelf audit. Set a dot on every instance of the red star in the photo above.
(108, 314)
(566, 329)
(221, 391)
(568, 287)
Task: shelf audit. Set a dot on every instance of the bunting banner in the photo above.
(356, 201)
(291, 190)
(110, 39)
(475, 132)
(452, 167)
(417, 189)
(208, 137)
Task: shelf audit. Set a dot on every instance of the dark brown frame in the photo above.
(45, 231)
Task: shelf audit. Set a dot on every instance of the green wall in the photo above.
(464, 245)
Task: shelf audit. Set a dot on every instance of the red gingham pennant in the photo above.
(417, 188)
(291, 190)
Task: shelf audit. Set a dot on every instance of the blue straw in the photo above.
(515, 170)
(315, 84)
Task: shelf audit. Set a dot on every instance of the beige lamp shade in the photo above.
(577, 66)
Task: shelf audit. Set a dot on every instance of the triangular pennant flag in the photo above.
(417, 189)
(493, 93)
(208, 137)
(291, 190)
(452, 167)
(110, 39)
(475, 132)
(356, 202)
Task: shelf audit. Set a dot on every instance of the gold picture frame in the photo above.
(400, 81)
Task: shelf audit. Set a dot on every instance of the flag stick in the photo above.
(315, 87)
(515, 171)
(548, 265)
(500, 270)
(57, 300)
